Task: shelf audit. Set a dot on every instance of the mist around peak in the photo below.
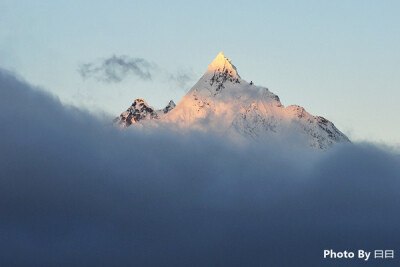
(224, 103)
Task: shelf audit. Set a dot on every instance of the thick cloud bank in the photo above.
(74, 191)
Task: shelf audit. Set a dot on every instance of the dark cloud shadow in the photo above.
(74, 192)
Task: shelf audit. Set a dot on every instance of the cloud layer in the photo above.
(76, 192)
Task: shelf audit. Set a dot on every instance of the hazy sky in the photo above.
(338, 59)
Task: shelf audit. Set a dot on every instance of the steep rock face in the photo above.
(222, 102)
(169, 107)
(140, 110)
(222, 70)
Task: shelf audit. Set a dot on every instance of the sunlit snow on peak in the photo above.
(223, 64)
(223, 103)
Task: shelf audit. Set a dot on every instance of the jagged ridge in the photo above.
(221, 101)
(140, 110)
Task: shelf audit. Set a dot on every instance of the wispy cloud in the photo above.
(182, 79)
(116, 68)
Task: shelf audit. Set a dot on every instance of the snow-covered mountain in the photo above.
(222, 102)
(140, 110)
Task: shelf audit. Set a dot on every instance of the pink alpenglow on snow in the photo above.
(224, 103)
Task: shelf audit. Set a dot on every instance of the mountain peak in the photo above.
(169, 107)
(140, 110)
(225, 104)
(223, 64)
